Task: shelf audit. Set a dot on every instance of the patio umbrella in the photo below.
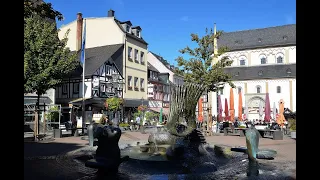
(226, 109)
(240, 107)
(267, 109)
(260, 110)
(281, 119)
(231, 105)
(160, 117)
(274, 111)
(219, 109)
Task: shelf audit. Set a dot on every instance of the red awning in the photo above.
(165, 111)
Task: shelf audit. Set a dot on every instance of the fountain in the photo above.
(252, 142)
(108, 157)
(182, 144)
(181, 152)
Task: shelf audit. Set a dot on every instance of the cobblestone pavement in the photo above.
(48, 160)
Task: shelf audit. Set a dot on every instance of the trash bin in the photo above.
(57, 133)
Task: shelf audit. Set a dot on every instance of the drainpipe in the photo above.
(124, 89)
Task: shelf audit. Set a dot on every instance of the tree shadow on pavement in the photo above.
(40, 160)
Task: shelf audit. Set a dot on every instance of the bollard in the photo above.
(90, 135)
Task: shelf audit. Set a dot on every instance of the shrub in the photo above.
(124, 125)
(292, 124)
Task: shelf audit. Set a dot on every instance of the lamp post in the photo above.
(218, 87)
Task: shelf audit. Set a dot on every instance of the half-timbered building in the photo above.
(103, 79)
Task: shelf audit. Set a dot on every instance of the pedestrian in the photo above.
(137, 123)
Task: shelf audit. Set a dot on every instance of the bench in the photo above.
(274, 134)
(234, 131)
(71, 131)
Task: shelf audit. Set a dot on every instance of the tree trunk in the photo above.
(44, 119)
(36, 119)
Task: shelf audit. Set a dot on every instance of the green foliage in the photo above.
(292, 124)
(46, 59)
(124, 125)
(137, 114)
(151, 115)
(42, 9)
(53, 115)
(198, 68)
(114, 103)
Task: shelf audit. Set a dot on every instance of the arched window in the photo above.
(258, 89)
(263, 59)
(239, 89)
(242, 60)
(279, 58)
(278, 89)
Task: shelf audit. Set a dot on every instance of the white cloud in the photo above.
(184, 18)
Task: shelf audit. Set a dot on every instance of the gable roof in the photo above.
(259, 38)
(162, 60)
(152, 68)
(96, 57)
(129, 34)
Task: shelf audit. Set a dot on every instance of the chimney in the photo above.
(79, 31)
(111, 13)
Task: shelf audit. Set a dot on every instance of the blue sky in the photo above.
(167, 24)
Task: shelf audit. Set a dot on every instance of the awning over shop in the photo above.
(79, 101)
(135, 102)
(165, 111)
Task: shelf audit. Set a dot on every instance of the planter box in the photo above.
(293, 134)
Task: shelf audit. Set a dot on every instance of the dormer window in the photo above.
(128, 28)
(136, 30)
(138, 33)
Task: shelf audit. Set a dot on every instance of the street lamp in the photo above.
(218, 86)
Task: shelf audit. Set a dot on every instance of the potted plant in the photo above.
(292, 127)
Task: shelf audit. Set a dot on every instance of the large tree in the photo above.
(43, 9)
(198, 68)
(46, 59)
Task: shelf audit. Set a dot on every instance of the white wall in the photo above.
(150, 90)
(99, 32)
(72, 43)
(285, 92)
(253, 56)
(88, 87)
(292, 54)
(159, 66)
(294, 95)
(70, 94)
(251, 89)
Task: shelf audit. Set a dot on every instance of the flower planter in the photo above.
(293, 134)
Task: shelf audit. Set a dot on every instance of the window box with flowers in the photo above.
(136, 88)
(130, 59)
(142, 89)
(129, 87)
